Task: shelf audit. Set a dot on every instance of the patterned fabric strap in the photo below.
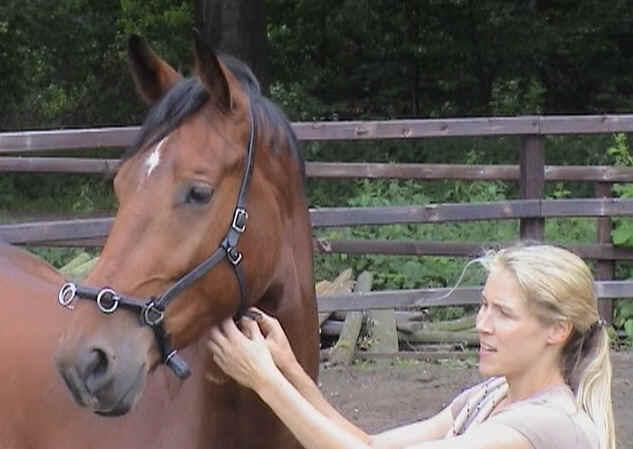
(479, 405)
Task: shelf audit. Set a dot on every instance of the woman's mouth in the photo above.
(485, 348)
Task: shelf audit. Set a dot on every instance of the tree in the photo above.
(236, 27)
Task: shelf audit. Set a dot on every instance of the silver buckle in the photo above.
(241, 216)
(234, 256)
(148, 310)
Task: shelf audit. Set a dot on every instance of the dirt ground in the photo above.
(381, 396)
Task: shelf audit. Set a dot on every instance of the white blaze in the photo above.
(153, 159)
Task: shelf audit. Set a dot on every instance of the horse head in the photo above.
(215, 173)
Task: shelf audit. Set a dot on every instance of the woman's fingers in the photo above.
(251, 329)
(268, 324)
(213, 347)
(217, 336)
(231, 331)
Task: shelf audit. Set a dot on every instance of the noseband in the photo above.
(152, 310)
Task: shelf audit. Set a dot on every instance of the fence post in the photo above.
(605, 269)
(532, 183)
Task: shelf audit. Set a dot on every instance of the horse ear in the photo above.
(152, 76)
(211, 73)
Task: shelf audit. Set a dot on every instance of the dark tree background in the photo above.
(62, 63)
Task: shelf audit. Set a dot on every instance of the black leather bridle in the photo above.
(152, 310)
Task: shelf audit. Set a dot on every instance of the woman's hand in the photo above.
(242, 355)
(276, 340)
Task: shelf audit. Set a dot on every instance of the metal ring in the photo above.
(67, 294)
(115, 300)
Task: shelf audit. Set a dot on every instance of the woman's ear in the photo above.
(559, 332)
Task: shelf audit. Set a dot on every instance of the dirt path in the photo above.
(379, 397)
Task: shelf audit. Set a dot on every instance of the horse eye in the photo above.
(199, 194)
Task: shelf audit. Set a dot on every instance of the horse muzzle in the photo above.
(97, 380)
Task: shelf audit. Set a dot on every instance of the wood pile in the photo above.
(374, 334)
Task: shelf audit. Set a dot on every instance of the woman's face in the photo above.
(511, 337)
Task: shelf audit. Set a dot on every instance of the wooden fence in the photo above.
(29, 152)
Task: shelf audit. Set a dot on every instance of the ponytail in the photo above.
(593, 385)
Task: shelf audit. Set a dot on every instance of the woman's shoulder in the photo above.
(550, 419)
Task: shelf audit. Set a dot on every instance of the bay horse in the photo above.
(182, 197)
(36, 411)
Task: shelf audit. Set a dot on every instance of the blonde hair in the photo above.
(558, 286)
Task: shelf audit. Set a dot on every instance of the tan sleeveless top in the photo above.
(549, 419)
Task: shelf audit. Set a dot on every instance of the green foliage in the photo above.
(414, 272)
(623, 318)
(622, 233)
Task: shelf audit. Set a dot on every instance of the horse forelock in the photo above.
(189, 95)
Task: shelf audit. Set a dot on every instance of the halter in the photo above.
(152, 310)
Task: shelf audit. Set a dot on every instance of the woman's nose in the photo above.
(483, 322)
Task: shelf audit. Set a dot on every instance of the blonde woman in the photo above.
(543, 349)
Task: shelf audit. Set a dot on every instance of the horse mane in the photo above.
(188, 96)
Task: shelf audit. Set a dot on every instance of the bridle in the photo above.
(152, 310)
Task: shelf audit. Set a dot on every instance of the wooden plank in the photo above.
(50, 231)
(478, 126)
(67, 139)
(344, 170)
(381, 329)
(586, 124)
(532, 183)
(431, 213)
(35, 232)
(605, 251)
(58, 165)
(412, 171)
(463, 172)
(389, 299)
(344, 349)
(589, 207)
(597, 173)
(605, 269)
(420, 298)
(29, 141)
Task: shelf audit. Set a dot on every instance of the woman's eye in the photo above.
(199, 194)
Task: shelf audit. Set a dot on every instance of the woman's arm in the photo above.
(483, 436)
(283, 356)
(430, 429)
(306, 387)
(249, 362)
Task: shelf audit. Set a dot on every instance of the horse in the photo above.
(35, 408)
(174, 194)
(215, 170)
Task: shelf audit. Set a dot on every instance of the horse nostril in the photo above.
(96, 369)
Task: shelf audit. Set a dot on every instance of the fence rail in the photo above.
(29, 141)
(346, 170)
(94, 228)
(428, 297)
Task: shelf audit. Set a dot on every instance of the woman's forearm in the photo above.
(310, 391)
(312, 428)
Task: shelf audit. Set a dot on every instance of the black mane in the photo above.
(188, 96)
